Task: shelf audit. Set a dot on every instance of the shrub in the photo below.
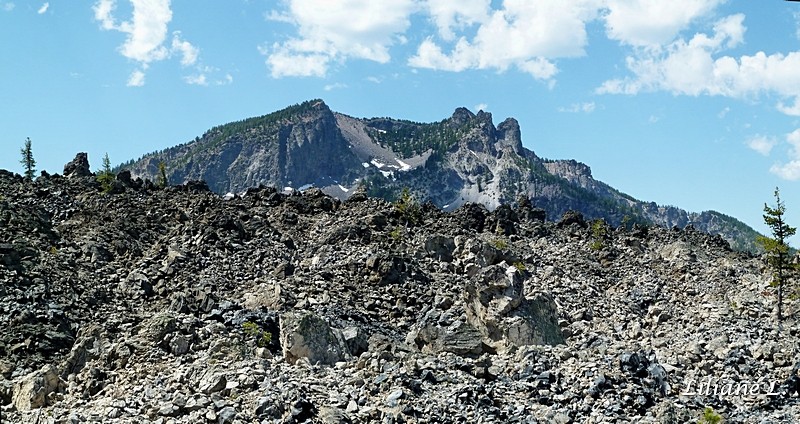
(408, 207)
(599, 234)
(500, 243)
(709, 417)
(254, 332)
(162, 175)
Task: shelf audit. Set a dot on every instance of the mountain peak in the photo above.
(462, 115)
(318, 104)
(509, 132)
(455, 161)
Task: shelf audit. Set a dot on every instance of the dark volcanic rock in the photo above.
(78, 167)
(181, 305)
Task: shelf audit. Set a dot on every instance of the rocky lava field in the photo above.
(177, 305)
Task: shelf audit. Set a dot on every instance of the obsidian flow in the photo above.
(148, 304)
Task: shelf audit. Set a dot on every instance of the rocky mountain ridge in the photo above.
(462, 159)
(176, 304)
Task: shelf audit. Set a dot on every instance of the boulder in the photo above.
(440, 247)
(78, 167)
(497, 307)
(88, 346)
(305, 335)
(572, 218)
(459, 338)
(154, 329)
(31, 391)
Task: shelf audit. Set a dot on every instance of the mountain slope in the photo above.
(464, 158)
(285, 148)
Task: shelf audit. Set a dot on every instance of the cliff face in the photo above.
(296, 147)
(464, 158)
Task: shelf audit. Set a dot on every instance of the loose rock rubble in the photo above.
(177, 305)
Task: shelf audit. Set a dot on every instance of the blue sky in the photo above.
(693, 103)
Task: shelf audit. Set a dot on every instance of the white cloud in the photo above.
(481, 106)
(761, 144)
(791, 110)
(283, 63)
(685, 67)
(793, 138)
(226, 80)
(337, 30)
(136, 79)
(103, 11)
(187, 51)
(522, 34)
(43, 9)
(723, 113)
(334, 86)
(696, 67)
(205, 76)
(199, 79)
(374, 80)
(585, 107)
(652, 23)
(146, 32)
(790, 170)
(8, 6)
(525, 35)
(458, 14)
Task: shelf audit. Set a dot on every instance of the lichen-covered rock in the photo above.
(32, 390)
(497, 307)
(305, 335)
(159, 325)
(459, 338)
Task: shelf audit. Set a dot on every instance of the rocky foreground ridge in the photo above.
(180, 305)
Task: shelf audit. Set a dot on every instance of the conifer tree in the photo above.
(776, 248)
(27, 161)
(162, 175)
(105, 176)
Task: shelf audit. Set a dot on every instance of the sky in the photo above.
(691, 103)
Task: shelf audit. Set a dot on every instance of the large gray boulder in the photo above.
(497, 307)
(459, 338)
(31, 391)
(305, 335)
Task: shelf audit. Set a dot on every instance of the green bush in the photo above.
(163, 181)
(709, 417)
(254, 332)
(599, 234)
(500, 243)
(408, 207)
